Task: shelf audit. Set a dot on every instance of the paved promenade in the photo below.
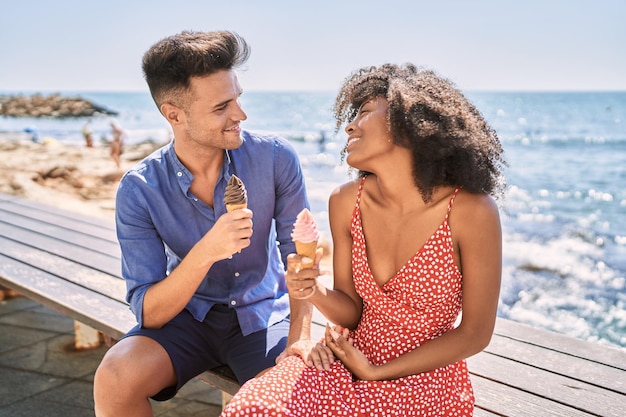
(41, 375)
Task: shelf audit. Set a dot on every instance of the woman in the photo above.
(417, 240)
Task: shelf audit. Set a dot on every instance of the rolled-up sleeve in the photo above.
(144, 261)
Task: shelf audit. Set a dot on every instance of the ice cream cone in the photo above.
(235, 194)
(306, 249)
(231, 207)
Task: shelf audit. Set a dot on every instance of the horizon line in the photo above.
(483, 90)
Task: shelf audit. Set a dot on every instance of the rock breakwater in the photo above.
(53, 105)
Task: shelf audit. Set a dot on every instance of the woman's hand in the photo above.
(302, 282)
(314, 354)
(339, 341)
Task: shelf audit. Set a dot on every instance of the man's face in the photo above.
(214, 113)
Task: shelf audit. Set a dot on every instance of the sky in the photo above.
(481, 45)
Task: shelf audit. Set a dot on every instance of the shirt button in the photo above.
(180, 174)
(232, 303)
(236, 274)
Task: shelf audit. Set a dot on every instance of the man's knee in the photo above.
(110, 372)
(137, 364)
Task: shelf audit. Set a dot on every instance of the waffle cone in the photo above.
(306, 249)
(231, 207)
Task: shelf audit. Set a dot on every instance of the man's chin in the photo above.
(233, 142)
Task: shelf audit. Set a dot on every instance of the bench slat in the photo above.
(547, 385)
(506, 400)
(555, 341)
(108, 315)
(560, 363)
(95, 243)
(51, 214)
(65, 270)
(221, 378)
(479, 412)
(28, 240)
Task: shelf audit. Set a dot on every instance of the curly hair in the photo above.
(450, 141)
(171, 62)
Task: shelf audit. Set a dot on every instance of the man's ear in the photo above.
(172, 113)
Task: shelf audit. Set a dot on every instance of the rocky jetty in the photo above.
(54, 105)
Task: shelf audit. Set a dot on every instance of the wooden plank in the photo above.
(503, 400)
(27, 240)
(560, 363)
(614, 357)
(221, 378)
(64, 270)
(479, 412)
(105, 233)
(35, 208)
(546, 385)
(58, 232)
(103, 313)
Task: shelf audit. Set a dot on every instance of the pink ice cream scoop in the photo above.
(305, 229)
(305, 235)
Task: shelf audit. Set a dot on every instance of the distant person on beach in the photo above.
(87, 131)
(416, 244)
(34, 134)
(207, 289)
(117, 142)
(322, 141)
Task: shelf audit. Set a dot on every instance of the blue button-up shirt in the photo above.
(159, 220)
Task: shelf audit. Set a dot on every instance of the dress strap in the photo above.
(452, 201)
(358, 195)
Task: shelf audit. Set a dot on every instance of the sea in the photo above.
(563, 213)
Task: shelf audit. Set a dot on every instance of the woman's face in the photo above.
(368, 134)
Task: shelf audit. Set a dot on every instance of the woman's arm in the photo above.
(341, 305)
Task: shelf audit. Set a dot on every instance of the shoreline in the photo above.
(75, 178)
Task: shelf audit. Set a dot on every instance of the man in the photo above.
(205, 288)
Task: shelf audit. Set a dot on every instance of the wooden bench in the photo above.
(71, 263)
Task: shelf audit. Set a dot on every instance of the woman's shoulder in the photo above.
(341, 206)
(481, 208)
(474, 201)
(347, 190)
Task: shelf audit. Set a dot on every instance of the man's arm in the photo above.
(144, 262)
(230, 234)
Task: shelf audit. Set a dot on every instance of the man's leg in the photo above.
(133, 370)
(255, 353)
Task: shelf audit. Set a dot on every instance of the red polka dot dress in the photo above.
(420, 303)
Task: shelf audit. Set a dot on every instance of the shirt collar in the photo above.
(185, 177)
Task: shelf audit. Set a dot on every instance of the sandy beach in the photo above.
(74, 178)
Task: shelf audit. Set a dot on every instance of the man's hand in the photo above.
(314, 354)
(229, 235)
